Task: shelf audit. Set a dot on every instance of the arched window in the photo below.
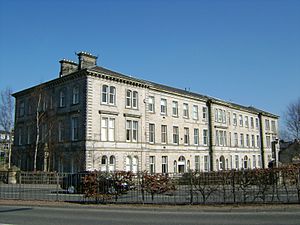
(104, 163)
(135, 164)
(222, 163)
(75, 95)
(62, 99)
(128, 98)
(188, 165)
(181, 164)
(246, 162)
(128, 163)
(112, 95)
(104, 94)
(112, 163)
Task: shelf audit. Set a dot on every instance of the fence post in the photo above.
(20, 184)
(57, 185)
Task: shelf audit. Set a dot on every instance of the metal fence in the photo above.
(228, 187)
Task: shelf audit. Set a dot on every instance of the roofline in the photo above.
(148, 84)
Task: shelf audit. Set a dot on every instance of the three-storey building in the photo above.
(92, 118)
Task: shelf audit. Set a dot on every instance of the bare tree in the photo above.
(292, 120)
(6, 118)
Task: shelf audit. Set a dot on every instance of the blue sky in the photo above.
(243, 51)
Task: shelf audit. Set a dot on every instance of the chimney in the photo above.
(67, 67)
(86, 60)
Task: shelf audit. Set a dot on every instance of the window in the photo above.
(151, 104)
(164, 165)
(152, 164)
(112, 163)
(267, 123)
(237, 166)
(259, 161)
(252, 141)
(151, 133)
(234, 119)
(108, 95)
(128, 163)
(104, 163)
(229, 118)
(185, 110)
(75, 95)
(242, 140)
(246, 121)
(186, 136)
(74, 127)
(107, 129)
(241, 120)
(197, 163)
(128, 98)
(163, 106)
(175, 108)
(175, 135)
(204, 113)
(251, 122)
(20, 136)
(273, 126)
(246, 162)
(135, 100)
(61, 131)
(62, 99)
(131, 130)
(216, 115)
(229, 135)
(236, 141)
(268, 140)
(205, 137)
(135, 164)
(196, 136)
(256, 123)
(164, 134)
(257, 141)
(28, 131)
(206, 163)
(112, 95)
(221, 139)
(175, 166)
(247, 140)
(131, 99)
(254, 161)
(22, 109)
(195, 112)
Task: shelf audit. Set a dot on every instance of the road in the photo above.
(58, 215)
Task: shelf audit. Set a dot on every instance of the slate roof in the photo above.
(180, 91)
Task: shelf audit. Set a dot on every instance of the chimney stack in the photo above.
(67, 67)
(86, 60)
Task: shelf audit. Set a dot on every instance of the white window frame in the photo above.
(196, 136)
(163, 106)
(175, 108)
(195, 112)
(186, 110)
(164, 164)
(186, 137)
(151, 105)
(164, 134)
(152, 133)
(205, 137)
(175, 135)
(62, 99)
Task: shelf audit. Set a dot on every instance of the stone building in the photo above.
(92, 118)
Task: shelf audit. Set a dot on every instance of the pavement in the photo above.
(153, 207)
